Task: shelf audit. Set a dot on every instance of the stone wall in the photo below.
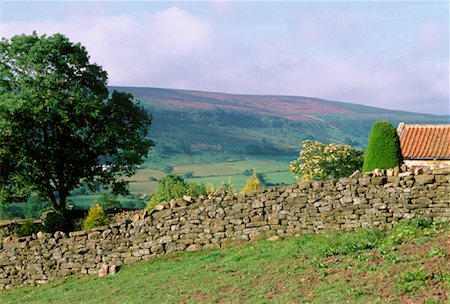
(193, 224)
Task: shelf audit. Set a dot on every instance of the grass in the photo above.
(347, 267)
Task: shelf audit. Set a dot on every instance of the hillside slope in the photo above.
(193, 121)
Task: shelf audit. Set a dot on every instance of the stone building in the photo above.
(425, 145)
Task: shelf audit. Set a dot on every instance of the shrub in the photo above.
(174, 187)
(253, 183)
(383, 148)
(320, 161)
(28, 228)
(54, 221)
(95, 218)
(35, 206)
(5, 211)
(225, 188)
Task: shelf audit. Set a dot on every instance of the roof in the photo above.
(424, 141)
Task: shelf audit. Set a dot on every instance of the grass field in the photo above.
(214, 173)
(410, 264)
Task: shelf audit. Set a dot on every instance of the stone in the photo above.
(403, 174)
(442, 171)
(136, 218)
(304, 186)
(418, 170)
(160, 207)
(193, 247)
(187, 198)
(424, 179)
(389, 172)
(40, 235)
(356, 174)
(103, 271)
(112, 270)
(273, 238)
(379, 172)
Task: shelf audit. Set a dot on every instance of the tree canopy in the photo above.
(59, 126)
(321, 161)
(383, 148)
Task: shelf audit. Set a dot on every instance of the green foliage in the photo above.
(320, 161)
(411, 229)
(383, 148)
(28, 228)
(174, 187)
(411, 281)
(5, 211)
(253, 183)
(109, 201)
(339, 243)
(96, 218)
(35, 206)
(224, 188)
(59, 124)
(55, 221)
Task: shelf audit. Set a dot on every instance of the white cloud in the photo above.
(326, 55)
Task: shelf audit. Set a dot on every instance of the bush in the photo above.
(54, 221)
(5, 211)
(35, 206)
(383, 148)
(320, 161)
(174, 187)
(253, 183)
(95, 218)
(28, 228)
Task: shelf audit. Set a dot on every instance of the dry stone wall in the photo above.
(193, 224)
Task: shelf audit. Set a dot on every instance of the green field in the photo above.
(407, 265)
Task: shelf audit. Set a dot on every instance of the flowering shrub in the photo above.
(320, 161)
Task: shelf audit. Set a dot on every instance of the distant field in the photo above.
(275, 172)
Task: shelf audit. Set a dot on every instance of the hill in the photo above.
(217, 138)
(191, 121)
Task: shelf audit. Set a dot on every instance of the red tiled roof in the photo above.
(424, 141)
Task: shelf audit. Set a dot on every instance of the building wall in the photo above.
(432, 164)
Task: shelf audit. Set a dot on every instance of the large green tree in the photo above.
(59, 126)
(383, 148)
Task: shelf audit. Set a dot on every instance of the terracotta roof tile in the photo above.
(424, 141)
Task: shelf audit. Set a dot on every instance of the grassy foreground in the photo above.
(410, 264)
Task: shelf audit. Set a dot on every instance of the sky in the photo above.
(389, 54)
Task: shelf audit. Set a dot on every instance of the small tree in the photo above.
(383, 148)
(95, 218)
(174, 187)
(253, 183)
(320, 161)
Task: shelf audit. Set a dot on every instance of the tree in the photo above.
(383, 148)
(320, 161)
(59, 126)
(174, 187)
(251, 184)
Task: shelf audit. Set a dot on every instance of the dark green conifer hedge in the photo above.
(383, 149)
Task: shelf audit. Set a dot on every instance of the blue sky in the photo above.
(390, 54)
